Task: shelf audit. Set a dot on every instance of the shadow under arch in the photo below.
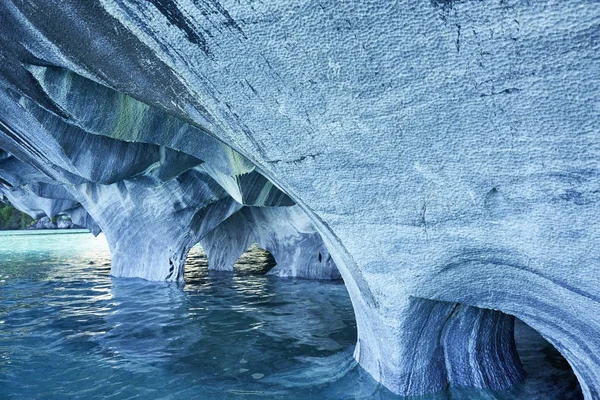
(285, 232)
(544, 364)
(555, 310)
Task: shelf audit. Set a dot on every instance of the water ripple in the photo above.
(70, 331)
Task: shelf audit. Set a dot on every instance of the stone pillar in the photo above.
(151, 229)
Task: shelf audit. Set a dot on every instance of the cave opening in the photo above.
(483, 351)
(254, 261)
(546, 368)
(473, 352)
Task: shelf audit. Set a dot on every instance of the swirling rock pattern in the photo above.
(443, 151)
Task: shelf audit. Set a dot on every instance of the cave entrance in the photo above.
(548, 373)
(254, 261)
(474, 352)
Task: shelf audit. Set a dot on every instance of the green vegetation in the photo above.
(11, 218)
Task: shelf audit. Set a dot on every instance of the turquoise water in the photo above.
(70, 331)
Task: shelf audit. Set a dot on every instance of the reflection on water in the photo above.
(68, 330)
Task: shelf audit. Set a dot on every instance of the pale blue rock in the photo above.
(445, 152)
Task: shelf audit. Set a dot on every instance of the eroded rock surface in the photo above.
(444, 151)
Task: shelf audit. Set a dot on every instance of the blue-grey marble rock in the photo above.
(40, 196)
(285, 232)
(480, 350)
(129, 120)
(457, 345)
(443, 150)
(151, 229)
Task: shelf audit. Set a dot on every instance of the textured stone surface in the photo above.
(443, 150)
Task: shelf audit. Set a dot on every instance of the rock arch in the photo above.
(515, 289)
(285, 232)
(406, 133)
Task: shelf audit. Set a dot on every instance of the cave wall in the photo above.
(444, 150)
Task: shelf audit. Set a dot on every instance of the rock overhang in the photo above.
(411, 137)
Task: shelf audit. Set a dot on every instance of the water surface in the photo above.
(70, 331)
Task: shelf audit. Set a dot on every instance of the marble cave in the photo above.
(441, 157)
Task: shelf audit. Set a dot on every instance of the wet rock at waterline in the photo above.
(439, 156)
(62, 222)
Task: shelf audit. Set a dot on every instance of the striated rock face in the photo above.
(444, 154)
(150, 229)
(457, 345)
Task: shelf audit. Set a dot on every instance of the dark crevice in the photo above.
(169, 9)
(296, 160)
(504, 91)
(171, 269)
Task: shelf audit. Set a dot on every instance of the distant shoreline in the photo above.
(39, 232)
